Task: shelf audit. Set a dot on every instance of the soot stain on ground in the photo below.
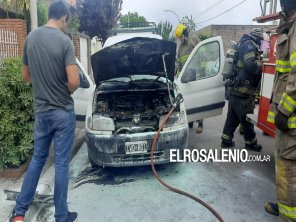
(107, 176)
(113, 176)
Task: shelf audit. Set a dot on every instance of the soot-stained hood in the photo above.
(133, 57)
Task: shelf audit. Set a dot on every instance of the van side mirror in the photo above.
(189, 75)
(83, 81)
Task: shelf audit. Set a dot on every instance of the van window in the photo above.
(205, 62)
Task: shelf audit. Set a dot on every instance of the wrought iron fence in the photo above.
(8, 45)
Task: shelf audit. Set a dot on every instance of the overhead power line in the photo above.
(222, 12)
(208, 9)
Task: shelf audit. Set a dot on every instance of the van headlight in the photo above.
(100, 123)
(177, 118)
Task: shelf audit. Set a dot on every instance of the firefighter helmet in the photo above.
(257, 35)
(257, 32)
(179, 30)
(288, 6)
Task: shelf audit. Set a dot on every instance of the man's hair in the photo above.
(58, 9)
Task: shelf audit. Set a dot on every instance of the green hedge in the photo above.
(16, 115)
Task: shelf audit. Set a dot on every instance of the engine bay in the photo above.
(132, 109)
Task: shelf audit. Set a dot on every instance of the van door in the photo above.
(201, 81)
(81, 96)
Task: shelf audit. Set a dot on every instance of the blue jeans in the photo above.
(58, 125)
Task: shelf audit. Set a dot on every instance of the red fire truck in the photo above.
(268, 72)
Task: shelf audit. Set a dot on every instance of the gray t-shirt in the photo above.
(48, 51)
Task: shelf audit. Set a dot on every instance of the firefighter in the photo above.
(283, 114)
(187, 42)
(241, 94)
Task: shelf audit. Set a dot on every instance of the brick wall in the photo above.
(230, 32)
(71, 2)
(19, 27)
(76, 42)
(82, 50)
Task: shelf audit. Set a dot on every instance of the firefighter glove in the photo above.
(281, 121)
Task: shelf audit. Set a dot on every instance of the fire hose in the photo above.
(213, 211)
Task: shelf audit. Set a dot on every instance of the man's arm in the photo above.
(71, 67)
(26, 70)
(250, 61)
(73, 77)
(26, 73)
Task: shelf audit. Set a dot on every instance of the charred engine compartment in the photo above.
(134, 111)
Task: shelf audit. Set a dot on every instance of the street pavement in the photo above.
(236, 190)
(6, 206)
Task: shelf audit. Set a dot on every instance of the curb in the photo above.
(45, 185)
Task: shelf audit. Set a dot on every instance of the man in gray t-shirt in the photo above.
(51, 51)
(49, 63)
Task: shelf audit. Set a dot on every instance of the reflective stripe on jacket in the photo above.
(289, 212)
(287, 104)
(284, 87)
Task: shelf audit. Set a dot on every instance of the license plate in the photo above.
(136, 147)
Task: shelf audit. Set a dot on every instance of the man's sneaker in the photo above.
(16, 218)
(271, 208)
(226, 144)
(71, 217)
(254, 147)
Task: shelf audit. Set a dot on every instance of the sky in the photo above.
(154, 10)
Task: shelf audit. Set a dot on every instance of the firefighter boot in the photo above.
(200, 126)
(254, 147)
(271, 208)
(227, 144)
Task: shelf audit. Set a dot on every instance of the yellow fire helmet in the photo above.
(179, 30)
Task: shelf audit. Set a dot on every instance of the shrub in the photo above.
(203, 36)
(16, 115)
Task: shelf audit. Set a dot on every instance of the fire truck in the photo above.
(268, 69)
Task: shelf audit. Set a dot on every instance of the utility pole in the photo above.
(33, 14)
(166, 10)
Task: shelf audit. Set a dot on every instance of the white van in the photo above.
(135, 88)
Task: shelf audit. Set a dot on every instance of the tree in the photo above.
(188, 21)
(23, 5)
(6, 5)
(133, 19)
(164, 29)
(42, 12)
(203, 36)
(98, 17)
(73, 25)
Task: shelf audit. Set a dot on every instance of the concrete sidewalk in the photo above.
(45, 183)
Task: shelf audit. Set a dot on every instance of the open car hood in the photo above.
(134, 56)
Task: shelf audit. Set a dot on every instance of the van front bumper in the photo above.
(109, 150)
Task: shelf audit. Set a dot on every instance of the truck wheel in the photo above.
(190, 125)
